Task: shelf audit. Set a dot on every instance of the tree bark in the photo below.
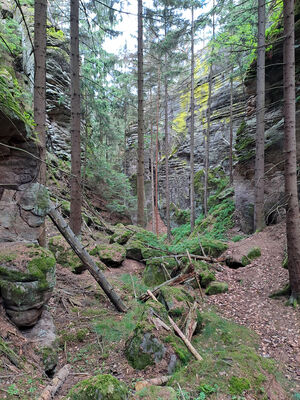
(76, 197)
(259, 220)
(207, 140)
(86, 259)
(40, 37)
(192, 139)
(156, 153)
(231, 131)
(152, 166)
(167, 147)
(140, 166)
(292, 216)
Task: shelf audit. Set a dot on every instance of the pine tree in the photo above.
(260, 124)
(192, 144)
(292, 215)
(75, 206)
(140, 167)
(40, 23)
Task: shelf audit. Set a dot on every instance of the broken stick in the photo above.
(180, 333)
(154, 381)
(50, 390)
(84, 256)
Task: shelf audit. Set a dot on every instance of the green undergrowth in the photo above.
(231, 364)
(113, 328)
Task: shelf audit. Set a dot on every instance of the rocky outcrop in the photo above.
(27, 279)
(244, 127)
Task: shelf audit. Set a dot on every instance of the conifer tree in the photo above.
(40, 23)
(260, 124)
(140, 167)
(75, 206)
(292, 211)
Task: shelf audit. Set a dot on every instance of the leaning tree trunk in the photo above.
(140, 166)
(40, 23)
(192, 144)
(76, 196)
(259, 219)
(231, 131)
(292, 216)
(86, 259)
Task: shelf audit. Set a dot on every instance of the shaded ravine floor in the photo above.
(247, 301)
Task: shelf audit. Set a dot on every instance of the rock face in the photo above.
(244, 127)
(27, 279)
(19, 151)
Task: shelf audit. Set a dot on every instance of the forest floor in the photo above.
(81, 311)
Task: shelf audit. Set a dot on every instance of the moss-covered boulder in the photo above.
(216, 288)
(111, 254)
(241, 258)
(176, 300)
(158, 270)
(27, 279)
(151, 344)
(104, 387)
(156, 392)
(64, 255)
(204, 273)
(121, 235)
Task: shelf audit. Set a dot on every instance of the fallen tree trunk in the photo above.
(49, 392)
(161, 380)
(86, 259)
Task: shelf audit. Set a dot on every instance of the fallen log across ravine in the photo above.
(86, 259)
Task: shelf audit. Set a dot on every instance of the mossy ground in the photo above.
(231, 364)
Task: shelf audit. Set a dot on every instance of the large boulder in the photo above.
(151, 344)
(111, 254)
(104, 387)
(27, 279)
(64, 255)
(158, 270)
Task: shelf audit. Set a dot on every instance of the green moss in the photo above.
(56, 33)
(179, 349)
(180, 216)
(255, 252)
(49, 358)
(156, 392)
(216, 288)
(104, 387)
(238, 385)
(245, 143)
(231, 363)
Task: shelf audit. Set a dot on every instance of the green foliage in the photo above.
(10, 40)
(105, 387)
(12, 97)
(255, 252)
(237, 238)
(231, 363)
(238, 385)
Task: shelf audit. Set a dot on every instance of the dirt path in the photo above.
(247, 301)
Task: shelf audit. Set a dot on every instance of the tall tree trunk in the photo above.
(76, 197)
(156, 153)
(292, 216)
(152, 166)
(207, 139)
(167, 147)
(259, 219)
(40, 24)
(192, 144)
(231, 130)
(140, 166)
